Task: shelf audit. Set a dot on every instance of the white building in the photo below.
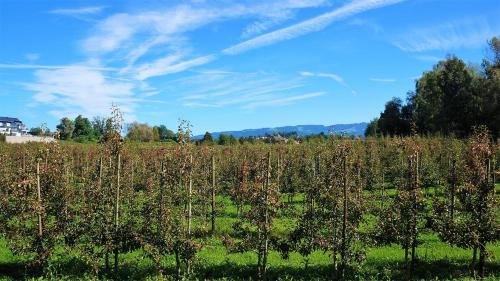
(12, 127)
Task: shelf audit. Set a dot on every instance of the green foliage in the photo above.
(66, 128)
(372, 129)
(227, 140)
(36, 131)
(165, 134)
(83, 129)
(325, 209)
(140, 132)
(395, 118)
(207, 138)
(99, 127)
(450, 99)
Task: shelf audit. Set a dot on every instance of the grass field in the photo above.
(436, 260)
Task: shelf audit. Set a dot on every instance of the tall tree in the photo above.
(65, 128)
(165, 134)
(99, 126)
(207, 138)
(372, 129)
(392, 121)
(83, 129)
(140, 132)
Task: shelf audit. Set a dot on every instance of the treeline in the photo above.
(101, 201)
(449, 100)
(83, 130)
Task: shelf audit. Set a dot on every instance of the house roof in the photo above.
(9, 119)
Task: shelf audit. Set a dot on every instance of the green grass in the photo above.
(436, 260)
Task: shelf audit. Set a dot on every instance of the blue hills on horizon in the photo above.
(354, 129)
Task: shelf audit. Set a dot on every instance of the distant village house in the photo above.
(12, 127)
(16, 132)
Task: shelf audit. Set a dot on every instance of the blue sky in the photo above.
(228, 65)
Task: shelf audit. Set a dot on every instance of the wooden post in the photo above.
(117, 210)
(190, 189)
(266, 213)
(278, 172)
(100, 173)
(213, 194)
(344, 214)
(39, 195)
(160, 210)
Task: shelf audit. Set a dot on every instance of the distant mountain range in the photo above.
(355, 129)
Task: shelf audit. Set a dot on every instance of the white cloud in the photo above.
(153, 43)
(78, 11)
(332, 76)
(118, 31)
(32, 56)
(245, 90)
(274, 13)
(42, 66)
(169, 64)
(306, 73)
(312, 25)
(448, 36)
(79, 90)
(383, 80)
(81, 13)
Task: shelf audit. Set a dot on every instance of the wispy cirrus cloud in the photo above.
(42, 66)
(78, 11)
(332, 76)
(275, 13)
(118, 31)
(81, 13)
(312, 25)
(468, 33)
(137, 46)
(244, 90)
(168, 65)
(383, 80)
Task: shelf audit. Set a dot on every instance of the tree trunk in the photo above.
(406, 254)
(177, 265)
(482, 258)
(474, 259)
(106, 260)
(453, 188)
